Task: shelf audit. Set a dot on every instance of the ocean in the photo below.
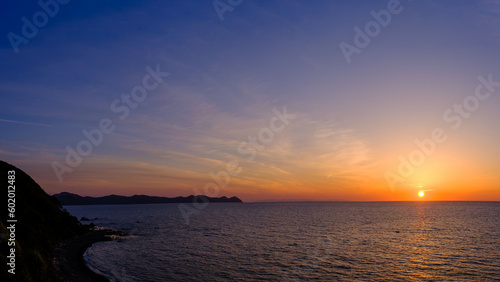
(338, 241)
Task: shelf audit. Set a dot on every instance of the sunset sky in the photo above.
(228, 78)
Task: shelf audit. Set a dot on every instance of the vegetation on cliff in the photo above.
(41, 224)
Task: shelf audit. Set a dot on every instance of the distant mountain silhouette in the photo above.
(69, 199)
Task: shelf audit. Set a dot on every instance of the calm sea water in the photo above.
(418, 241)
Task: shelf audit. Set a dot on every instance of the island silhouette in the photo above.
(70, 199)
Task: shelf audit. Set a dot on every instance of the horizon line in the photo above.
(291, 200)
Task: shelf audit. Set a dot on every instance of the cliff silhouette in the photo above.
(41, 224)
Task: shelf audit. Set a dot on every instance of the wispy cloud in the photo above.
(24, 122)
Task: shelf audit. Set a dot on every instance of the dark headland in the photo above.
(39, 238)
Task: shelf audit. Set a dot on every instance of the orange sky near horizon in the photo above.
(442, 179)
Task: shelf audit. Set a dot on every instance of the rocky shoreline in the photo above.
(68, 257)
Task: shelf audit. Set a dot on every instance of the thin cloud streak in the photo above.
(24, 122)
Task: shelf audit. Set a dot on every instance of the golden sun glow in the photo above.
(421, 194)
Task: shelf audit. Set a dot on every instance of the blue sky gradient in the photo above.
(352, 121)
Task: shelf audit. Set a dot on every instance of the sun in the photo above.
(421, 194)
